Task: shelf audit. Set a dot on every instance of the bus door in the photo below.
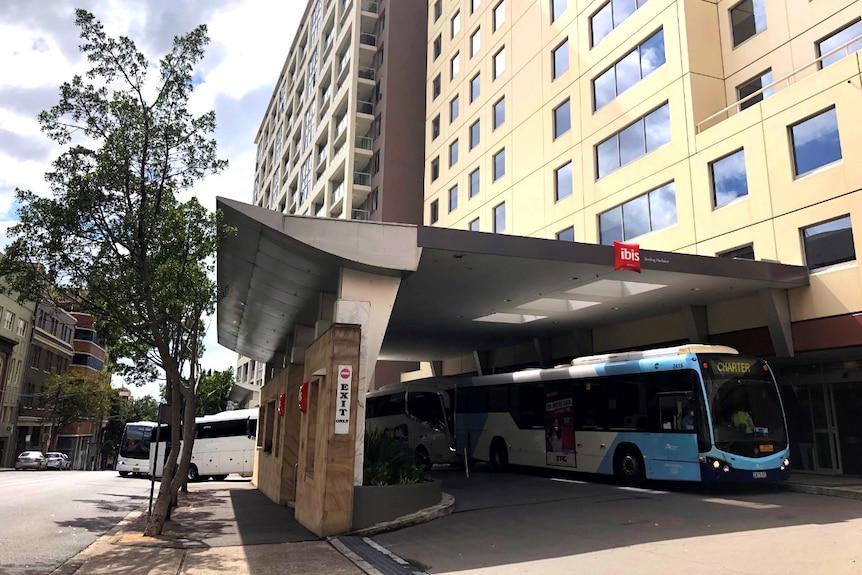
(671, 451)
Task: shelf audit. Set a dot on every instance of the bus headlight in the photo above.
(716, 463)
(785, 464)
(726, 468)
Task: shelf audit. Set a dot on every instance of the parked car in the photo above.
(57, 460)
(31, 460)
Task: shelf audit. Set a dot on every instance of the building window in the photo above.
(499, 15)
(434, 212)
(747, 19)
(22, 328)
(475, 134)
(649, 212)
(435, 127)
(560, 59)
(474, 225)
(557, 8)
(453, 153)
(453, 198)
(828, 243)
(815, 142)
(435, 87)
(474, 183)
(454, 109)
(563, 182)
(499, 165)
(641, 137)
(474, 4)
(8, 319)
(629, 70)
(754, 86)
(435, 168)
(454, 66)
(609, 16)
(475, 85)
(728, 178)
(456, 23)
(475, 42)
(566, 235)
(500, 218)
(499, 112)
(562, 119)
(839, 38)
(438, 9)
(740, 253)
(499, 64)
(438, 46)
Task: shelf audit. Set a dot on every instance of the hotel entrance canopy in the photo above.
(462, 291)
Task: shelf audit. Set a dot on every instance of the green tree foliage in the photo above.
(73, 399)
(114, 236)
(213, 391)
(123, 411)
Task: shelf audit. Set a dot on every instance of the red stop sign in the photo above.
(345, 373)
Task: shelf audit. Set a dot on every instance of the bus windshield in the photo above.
(746, 409)
(136, 441)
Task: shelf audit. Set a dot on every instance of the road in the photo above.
(49, 516)
(546, 524)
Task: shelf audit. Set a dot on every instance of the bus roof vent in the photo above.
(664, 351)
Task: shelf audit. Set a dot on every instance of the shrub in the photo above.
(387, 462)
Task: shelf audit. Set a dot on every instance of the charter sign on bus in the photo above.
(627, 257)
(342, 403)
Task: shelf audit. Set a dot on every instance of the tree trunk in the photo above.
(161, 511)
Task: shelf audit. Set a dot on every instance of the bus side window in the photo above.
(528, 409)
(425, 406)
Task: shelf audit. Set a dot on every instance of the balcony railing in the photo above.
(369, 6)
(365, 107)
(342, 125)
(321, 156)
(338, 193)
(361, 214)
(364, 142)
(782, 82)
(366, 73)
(368, 39)
(320, 212)
(362, 179)
(345, 60)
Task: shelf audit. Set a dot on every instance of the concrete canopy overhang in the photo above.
(460, 291)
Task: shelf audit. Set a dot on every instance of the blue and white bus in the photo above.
(687, 413)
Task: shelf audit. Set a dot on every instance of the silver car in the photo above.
(31, 460)
(57, 460)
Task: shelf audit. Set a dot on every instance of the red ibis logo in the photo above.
(627, 257)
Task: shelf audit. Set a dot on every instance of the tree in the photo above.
(114, 237)
(213, 391)
(73, 399)
(123, 411)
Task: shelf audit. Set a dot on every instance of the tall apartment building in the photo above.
(353, 82)
(711, 127)
(16, 327)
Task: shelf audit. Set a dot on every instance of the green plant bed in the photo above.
(388, 462)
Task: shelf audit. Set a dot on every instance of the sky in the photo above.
(249, 40)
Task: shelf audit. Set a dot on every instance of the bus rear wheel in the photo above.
(193, 474)
(629, 466)
(499, 455)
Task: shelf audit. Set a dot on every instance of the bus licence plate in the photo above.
(135, 469)
(759, 474)
(767, 448)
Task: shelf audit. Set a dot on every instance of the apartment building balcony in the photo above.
(362, 180)
(365, 107)
(337, 194)
(808, 69)
(364, 143)
(325, 99)
(367, 39)
(360, 215)
(369, 7)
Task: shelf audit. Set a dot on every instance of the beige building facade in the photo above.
(718, 128)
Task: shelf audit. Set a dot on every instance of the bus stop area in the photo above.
(229, 527)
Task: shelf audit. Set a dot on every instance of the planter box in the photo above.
(373, 504)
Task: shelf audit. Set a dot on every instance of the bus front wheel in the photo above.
(423, 460)
(499, 455)
(193, 473)
(124, 473)
(629, 465)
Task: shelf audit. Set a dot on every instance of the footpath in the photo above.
(235, 529)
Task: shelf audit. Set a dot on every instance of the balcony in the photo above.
(337, 193)
(362, 179)
(364, 142)
(370, 6)
(367, 39)
(367, 73)
(365, 107)
(361, 215)
(785, 81)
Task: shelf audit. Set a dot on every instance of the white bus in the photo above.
(133, 457)
(224, 443)
(419, 414)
